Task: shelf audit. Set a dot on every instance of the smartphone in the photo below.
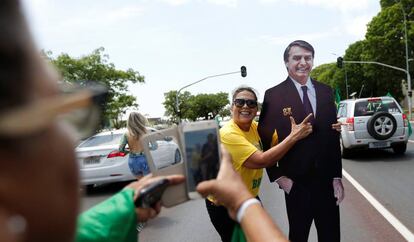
(163, 150)
(202, 153)
(151, 194)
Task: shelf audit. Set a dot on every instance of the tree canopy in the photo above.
(96, 67)
(193, 107)
(385, 43)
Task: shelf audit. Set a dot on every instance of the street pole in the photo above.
(410, 92)
(346, 82)
(393, 67)
(177, 105)
(346, 76)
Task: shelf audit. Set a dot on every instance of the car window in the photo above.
(109, 139)
(371, 106)
(342, 110)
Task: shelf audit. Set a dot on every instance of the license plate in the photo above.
(91, 160)
(379, 144)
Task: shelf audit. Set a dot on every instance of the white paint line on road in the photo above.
(404, 231)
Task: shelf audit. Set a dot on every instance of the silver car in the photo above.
(101, 162)
(372, 123)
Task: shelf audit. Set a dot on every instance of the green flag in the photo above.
(410, 130)
(337, 97)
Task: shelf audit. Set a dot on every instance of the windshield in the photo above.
(109, 139)
(371, 106)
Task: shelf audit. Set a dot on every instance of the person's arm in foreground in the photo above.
(268, 158)
(115, 219)
(230, 191)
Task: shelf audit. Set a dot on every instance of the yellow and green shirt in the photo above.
(241, 145)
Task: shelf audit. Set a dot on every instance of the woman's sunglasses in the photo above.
(238, 102)
(80, 107)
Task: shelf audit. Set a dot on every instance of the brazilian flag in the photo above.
(410, 130)
(337, 97)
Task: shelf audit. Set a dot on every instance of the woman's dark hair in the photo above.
(244, 88)
(300, 43)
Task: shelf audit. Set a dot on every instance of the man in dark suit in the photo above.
(310, 173)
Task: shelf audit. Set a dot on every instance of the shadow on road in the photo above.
(386, 155)
(106, 189)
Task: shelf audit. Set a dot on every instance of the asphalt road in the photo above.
(387, 177)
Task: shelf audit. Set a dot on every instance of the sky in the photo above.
(177, 42)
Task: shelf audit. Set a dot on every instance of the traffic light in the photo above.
(339, 62)
(243, 71)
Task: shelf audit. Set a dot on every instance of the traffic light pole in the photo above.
(340, 61)
(177, 105)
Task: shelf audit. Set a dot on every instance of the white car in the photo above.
(372, 123)
(101, 162)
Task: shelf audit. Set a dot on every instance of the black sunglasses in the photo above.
(241, 102)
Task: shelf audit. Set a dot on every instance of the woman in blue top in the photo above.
(136, 129)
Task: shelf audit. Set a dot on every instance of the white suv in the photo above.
(374, 123)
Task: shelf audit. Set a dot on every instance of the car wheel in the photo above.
(89, 189)
(382, 125)
(177, 156)
(399, 149)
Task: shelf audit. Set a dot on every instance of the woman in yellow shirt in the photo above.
(241, 139)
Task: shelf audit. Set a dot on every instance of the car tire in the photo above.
(399, 149)
(382, 126)
(177, 156)
(89, 189)
(345, 153)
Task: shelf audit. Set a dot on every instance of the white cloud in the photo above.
(126, 12)
(342, 5)
(357, 26)
(227, 3)
(283, 40)
(176, 2)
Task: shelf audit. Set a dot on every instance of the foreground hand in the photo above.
(228, 188)
(143, 214)
(300, 131)
(337, 126)
(285, 183)
(338, 190)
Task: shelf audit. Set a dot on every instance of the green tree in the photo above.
(331, 75)
(205, 106)
(226, 111)
(384, 42)
(96, 67)
(170, 105)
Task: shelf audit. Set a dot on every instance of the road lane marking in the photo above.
(404, 231)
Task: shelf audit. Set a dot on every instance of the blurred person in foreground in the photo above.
(241, 139)
(310, 173)
(39, 183)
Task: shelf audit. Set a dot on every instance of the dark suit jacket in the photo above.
(318, 154)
